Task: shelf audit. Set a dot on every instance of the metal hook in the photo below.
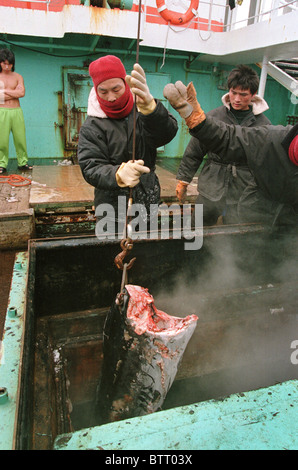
(126, 245)
(119, 299)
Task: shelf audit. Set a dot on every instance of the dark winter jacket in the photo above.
(218, 179)
(265, 151)
(105, 143)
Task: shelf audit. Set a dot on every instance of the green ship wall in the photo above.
(43, 76)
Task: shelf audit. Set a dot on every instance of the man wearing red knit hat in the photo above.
(271, 153)
(105, 147)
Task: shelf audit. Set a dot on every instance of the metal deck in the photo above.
(64, 186)
(27, 211)
(262, 419)
(16, 216)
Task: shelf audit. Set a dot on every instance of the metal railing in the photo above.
(256, 10)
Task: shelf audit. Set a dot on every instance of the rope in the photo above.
(15, 180)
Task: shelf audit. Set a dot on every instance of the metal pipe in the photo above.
(263, 77)
(188, 69)
(87, 48)
(122, 4)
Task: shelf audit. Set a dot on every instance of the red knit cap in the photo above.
(105, 68)
(293, 151)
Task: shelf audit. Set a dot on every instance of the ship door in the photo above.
(76, 88)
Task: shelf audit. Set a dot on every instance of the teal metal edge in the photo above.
(11, 351)
(264, 419)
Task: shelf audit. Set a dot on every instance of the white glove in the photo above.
(129, 173)
(138, 84)
(181, 190)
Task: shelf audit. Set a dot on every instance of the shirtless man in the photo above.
(11, 115)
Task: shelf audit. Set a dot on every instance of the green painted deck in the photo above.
(11, 349)
(264, 419)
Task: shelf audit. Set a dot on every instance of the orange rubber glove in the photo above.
(181, 190)
(198, 115)
(184, 100)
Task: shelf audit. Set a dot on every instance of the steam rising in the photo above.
(246, 302)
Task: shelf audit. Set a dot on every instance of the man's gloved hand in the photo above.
(184, 100)
(138, 85)
(177, 97)
(129, 173)
(181, 189)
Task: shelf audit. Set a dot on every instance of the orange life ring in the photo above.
(175, 17)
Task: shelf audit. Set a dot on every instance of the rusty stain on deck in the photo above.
(57, 189)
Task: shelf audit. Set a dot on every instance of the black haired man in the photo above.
(11, 115)
(221, 184)
(271, 153)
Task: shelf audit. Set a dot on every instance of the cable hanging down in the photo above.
(126, 243)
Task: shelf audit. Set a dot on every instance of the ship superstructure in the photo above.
(55, 40)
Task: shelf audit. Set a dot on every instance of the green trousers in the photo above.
(12, 120)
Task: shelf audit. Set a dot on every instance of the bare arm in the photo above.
(17, 92)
